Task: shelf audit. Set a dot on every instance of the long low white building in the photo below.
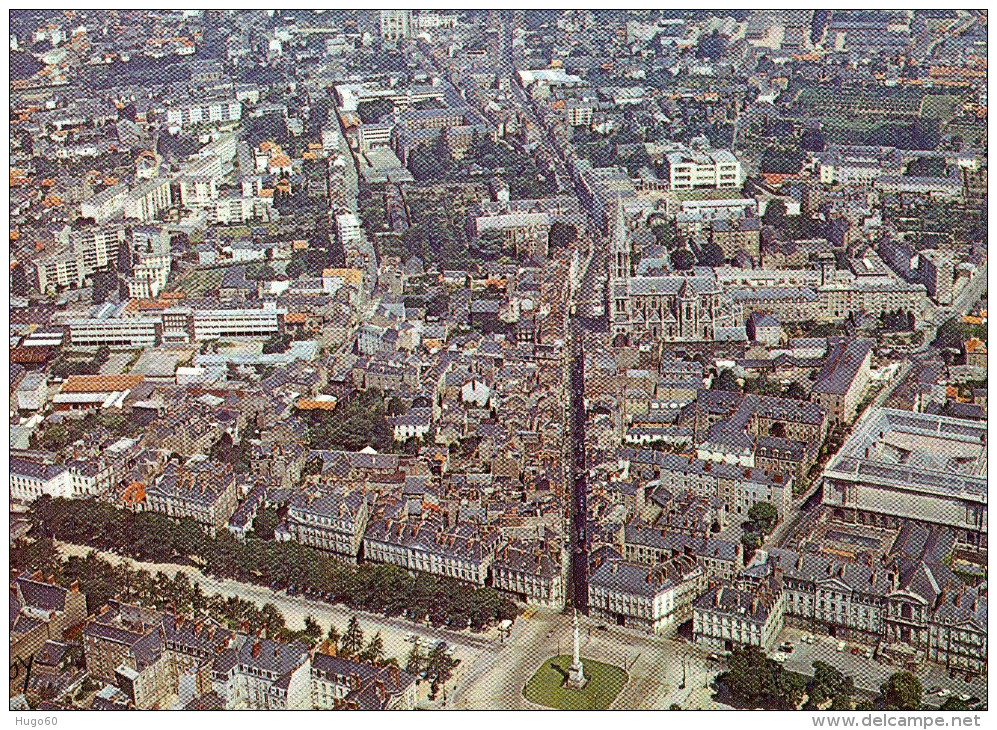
(114, 328)
(238, 322)
(116, 331)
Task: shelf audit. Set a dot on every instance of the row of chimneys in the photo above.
(39, 577)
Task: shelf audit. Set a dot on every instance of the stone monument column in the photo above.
(576, 673)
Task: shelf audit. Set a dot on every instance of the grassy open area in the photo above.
(940, 106)
(200, 282)
(546, 686)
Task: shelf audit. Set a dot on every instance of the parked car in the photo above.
(856, 650)
(841, 646)
(944, 692)
(869, 652)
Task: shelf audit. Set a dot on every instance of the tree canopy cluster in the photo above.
(829, 684)
(354, 424)
(64, 366)
(754, 680)
(56, 436)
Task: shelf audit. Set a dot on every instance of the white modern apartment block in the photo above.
(397, 24)
(198, 191)
(105, 205)
(199, 180)
(699, 167)
(149, 276)
(147, 200)
(347, 228)
(88, 249)
(206, 112)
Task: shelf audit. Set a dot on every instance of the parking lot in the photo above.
(868, 673)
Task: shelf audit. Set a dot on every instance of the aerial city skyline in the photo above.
(498, 360)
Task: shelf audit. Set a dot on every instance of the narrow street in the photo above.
(578, 506)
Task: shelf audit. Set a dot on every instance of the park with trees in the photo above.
(153, 537)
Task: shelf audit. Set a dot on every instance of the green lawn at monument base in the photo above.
(546, 686)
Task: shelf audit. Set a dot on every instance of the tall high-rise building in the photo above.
(397, 25)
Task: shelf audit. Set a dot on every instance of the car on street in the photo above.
(944, 692)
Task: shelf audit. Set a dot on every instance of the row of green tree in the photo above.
(100, 581)
(153, 537)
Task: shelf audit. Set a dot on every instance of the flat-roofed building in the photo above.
(397, 25)
(238, 322)
(145, 201)
(195, 113)
(903, 465)
(132, 332)
(697, 166)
